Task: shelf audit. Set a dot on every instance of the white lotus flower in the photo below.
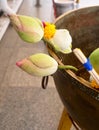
(61, 41)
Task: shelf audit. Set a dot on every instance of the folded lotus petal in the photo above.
(39, 65)
(61, 41)
(29, 29)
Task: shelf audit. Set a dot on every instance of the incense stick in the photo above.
(79, 54)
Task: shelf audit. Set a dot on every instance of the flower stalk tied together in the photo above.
(32, 30)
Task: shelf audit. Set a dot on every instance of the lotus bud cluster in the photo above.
(38, 65)
(32, 30)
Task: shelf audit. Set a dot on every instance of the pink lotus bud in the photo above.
(38, 65)
(29, 29)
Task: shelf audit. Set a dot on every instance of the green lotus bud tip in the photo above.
(94, 59)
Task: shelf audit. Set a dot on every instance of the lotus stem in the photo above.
(67, 67)
(79, 54)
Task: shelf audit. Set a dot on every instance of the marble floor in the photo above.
(24, 105)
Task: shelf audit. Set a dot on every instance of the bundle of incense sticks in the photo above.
(79, 54)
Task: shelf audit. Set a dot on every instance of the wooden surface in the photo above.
(65, 122)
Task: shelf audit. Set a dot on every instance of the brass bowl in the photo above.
(79, 98)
